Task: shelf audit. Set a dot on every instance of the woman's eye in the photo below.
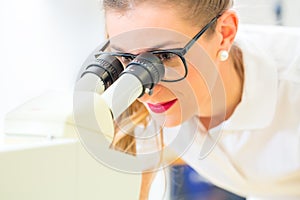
(126, 59)
(165, 56)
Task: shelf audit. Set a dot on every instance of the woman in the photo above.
(256, 108)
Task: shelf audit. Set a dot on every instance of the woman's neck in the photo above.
(233, 86)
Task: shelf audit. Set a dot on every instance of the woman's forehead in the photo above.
(148, 38)
(144, 16)
(147, 26)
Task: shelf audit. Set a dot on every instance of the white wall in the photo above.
(262, 11)
(256, 11)
(42, 45)
(291, 12)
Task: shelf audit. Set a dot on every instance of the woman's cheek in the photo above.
(146, 97)
(159, 94)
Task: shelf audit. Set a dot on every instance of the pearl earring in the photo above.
(223, 55)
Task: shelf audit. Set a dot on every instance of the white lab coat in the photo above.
(258, 154)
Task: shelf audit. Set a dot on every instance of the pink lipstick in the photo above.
(161, 107)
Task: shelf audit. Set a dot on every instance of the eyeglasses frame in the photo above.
(178, 51)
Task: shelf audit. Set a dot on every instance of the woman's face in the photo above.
(174, 102)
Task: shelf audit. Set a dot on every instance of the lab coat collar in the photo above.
(257, 107)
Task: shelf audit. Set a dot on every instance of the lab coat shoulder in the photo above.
(276, 48)
(281, 44)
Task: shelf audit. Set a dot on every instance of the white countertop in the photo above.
(16, 143)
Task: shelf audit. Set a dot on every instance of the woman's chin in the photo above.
(166, 119)
(172, 117)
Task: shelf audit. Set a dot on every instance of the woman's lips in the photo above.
(161, 107)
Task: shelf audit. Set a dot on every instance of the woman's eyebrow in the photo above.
(159, 46)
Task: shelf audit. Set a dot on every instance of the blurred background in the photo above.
(44, 42)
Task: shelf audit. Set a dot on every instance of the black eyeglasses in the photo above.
(173, 59)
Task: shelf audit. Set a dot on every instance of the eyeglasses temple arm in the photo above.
(196, 37)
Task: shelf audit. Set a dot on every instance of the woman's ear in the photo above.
(226, 29)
